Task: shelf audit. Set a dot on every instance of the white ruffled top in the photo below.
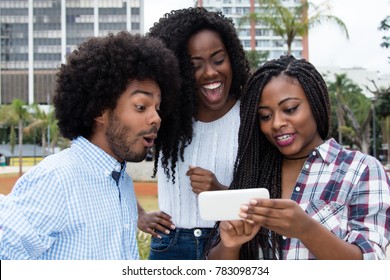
(213, 147)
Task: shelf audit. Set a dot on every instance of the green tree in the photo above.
(359, 116)
(337, 88)
(385, 26)
(352, 110)
(45, 122)
(256, 58)
(289, 22)
(382, 109)
(41, 121)
(55, 137)
(15, 115)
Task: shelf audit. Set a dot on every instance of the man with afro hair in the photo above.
(113, 95)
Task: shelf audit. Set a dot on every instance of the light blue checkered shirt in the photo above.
(69, 207)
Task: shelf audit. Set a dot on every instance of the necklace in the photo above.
(296, 158)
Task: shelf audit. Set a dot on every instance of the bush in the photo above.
(143, 240)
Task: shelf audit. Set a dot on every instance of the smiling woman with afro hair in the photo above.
(213, 72)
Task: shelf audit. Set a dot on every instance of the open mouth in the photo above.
(149, 141)
(285, 139)
(212, 91)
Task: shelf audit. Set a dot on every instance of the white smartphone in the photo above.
(225, 205)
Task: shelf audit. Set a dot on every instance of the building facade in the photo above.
(256, 36)
(37, 35)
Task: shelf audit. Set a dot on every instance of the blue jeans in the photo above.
(180, 244)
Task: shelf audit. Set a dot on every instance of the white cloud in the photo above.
(327, 45)
(155, 9)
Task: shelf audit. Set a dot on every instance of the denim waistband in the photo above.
(197, 232)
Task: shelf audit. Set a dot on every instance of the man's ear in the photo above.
(103, 118)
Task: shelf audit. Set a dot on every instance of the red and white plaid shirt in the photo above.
(348, 193)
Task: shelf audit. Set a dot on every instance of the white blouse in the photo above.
(213, 147)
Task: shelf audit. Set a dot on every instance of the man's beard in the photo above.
(119, 142)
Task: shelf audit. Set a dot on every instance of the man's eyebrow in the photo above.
(144, 92)
(136, 91)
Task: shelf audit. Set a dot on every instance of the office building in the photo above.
(37, 35)
(257, 37)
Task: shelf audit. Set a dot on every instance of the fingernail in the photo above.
(243, 215)
(159, 236)
(244, 208)
(250, 221)
(173, 227)
(167, 231)
(253, 202)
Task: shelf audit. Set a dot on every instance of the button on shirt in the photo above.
(348, 193)
(70, 207)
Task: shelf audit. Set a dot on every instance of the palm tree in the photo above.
(46, 123)
(7, 120)
(338, 88)
(385, 27)
(289, 22)
(14, 115)
(382, 108)
(55, 136)
(358, 113)
(256, 58)
(352, 109)
(41, 120)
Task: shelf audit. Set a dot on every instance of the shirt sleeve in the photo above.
(32, 216)
(370, 212)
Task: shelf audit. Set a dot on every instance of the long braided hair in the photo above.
(259, 163)
(175, 29)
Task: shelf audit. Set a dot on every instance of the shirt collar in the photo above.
(96, 157)
(329, 150)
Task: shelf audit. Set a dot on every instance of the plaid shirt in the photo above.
(70, 207)
(348, 193)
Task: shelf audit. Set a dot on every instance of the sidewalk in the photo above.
(12, 169)
(140, 171)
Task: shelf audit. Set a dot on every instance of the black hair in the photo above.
(258, 162)
(98, 72)
(175, 29)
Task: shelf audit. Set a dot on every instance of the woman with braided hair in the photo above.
(213, 71)
(326, 202)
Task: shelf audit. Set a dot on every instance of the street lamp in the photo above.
(373, 99)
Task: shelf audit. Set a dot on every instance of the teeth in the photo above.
(284, 137)
(212, 86)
